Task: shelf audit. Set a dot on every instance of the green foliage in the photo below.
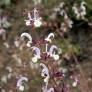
(89, 4)
(5, 2)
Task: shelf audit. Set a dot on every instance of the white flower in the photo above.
(62, 12)
(80, 12)
(46, 79)
(4, 79)
(74, 84)
(75, 9)
(34, 59)
(83, 9)
(9, 69)
(63, 27)
(61, 4)
(28, 23)
(28, 44)
(56, 57)
(36, 19)
(21, 88)
(69, 22)
(48, 38)
(27, 35)
(56, 9)
(6, 45)
(37, 23)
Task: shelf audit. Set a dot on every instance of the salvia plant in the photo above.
(51, 53)
(51, 56)
(49, 59)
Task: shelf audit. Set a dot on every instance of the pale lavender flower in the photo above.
(37, 55)
(29, 38)
(45, 73)
(48, 90)
(36, 20)
(20, 83)
(52, 52)
(29, 20)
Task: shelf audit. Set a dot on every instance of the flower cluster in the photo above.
(34, 19)
(38, 55)
(80, 11)
(62, 11)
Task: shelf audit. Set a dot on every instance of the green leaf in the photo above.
(89, 3)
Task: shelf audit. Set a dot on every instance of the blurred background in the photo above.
(72, 34)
